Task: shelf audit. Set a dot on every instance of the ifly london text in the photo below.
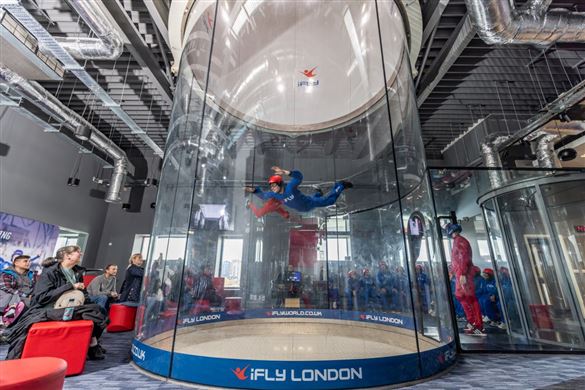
(300, 375)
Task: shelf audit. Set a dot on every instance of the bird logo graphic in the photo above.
(309, 73)
(240, 373)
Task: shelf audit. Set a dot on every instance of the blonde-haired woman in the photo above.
(130, 291)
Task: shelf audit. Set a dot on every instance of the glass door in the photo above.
(565, 204)
(546, 300)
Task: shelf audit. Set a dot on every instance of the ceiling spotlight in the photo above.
(567, 154)
(82, 132)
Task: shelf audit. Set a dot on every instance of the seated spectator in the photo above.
(55, 280)
(102, 289)
(16, 285)
(130, 291)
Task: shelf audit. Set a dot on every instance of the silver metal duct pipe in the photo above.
(498, 22)
(48, 41)
(491, 159)
(107, 46)
(49, 104)
(545, 154)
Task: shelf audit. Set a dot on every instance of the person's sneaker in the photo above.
(469, 327)
(485, 319)
(477, 332)
(346, 184)
(501, 325)
(95, 353)
(101, 348)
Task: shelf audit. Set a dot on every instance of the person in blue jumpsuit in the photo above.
(292, 197)
(458, 308)
(491, 301)
(384, 282)
(424, 292)
(480, 290)
(400, 290)
(367, 290)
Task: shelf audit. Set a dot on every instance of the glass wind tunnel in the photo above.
(347, 295)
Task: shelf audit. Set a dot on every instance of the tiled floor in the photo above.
(473, 371)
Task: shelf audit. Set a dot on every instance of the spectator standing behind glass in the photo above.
(102, 289)
(130, 291)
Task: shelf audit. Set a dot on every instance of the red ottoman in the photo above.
(68, 340)
(122, 318)
(45, 373)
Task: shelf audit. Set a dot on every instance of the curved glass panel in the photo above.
(336, 278)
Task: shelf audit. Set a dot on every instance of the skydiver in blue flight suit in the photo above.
(384, 282)
(292, 197)
(491, 301)
(400, 290)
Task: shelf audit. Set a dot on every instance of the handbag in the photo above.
(72, 298)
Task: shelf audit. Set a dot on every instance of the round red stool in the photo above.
(122, 318)
(47, 373)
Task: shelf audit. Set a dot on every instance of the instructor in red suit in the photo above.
(464, 286)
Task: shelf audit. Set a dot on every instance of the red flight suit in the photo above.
(271, 206)
(465, 294)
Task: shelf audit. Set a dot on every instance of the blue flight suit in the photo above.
(292, 197)
(491, 307)
(384, 283)
(458, 308)
(480, 292)
(400, 292)
(367, 292)
(424, 290)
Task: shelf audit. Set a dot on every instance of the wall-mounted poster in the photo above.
(23, 236)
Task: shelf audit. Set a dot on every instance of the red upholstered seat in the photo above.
(122, 318)
(47, 373)
(68, 340)
(87, 279)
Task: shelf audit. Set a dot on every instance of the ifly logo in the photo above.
(299, 375)
(309, 73)
(138, 353)
(310, 82)
(382, 319)
(240, 373)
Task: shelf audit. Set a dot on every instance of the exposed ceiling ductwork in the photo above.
(49, 104)
(491, 159)
(498, 22)
(107, 45)
(50, 43)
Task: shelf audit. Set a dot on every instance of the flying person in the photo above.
(292, 197)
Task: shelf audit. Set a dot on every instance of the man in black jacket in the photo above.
(55, 280)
